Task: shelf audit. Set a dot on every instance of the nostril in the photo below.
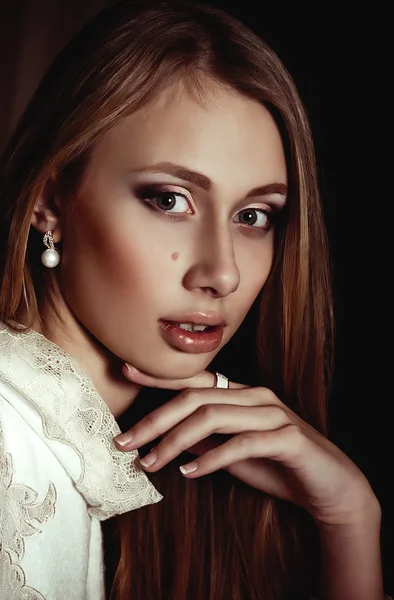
(212, 291)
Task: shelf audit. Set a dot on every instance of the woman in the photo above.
(158, 196)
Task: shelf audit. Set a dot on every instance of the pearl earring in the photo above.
(50, 258)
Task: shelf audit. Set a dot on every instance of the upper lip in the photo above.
(210, 319)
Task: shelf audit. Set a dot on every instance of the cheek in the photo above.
(113, 263)
(254, 262)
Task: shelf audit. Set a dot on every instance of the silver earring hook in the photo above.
(48, 241)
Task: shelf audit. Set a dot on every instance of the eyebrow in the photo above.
(205, 183)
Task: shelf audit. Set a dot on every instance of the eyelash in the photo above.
(150, 193)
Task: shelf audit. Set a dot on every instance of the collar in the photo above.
(73, 413)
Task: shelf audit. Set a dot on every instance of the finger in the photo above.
(204, 445)
(274, 444)
(205, 379)
(208, 420)
(260, 473)
(165, 417)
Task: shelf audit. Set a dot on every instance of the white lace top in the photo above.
(60, 473)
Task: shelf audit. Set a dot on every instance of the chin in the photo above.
(178, 366)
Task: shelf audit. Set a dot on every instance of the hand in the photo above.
(267, 446)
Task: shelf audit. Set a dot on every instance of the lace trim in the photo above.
(19, 520)
(74, 413)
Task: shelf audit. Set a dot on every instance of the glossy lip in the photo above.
(191, 342)
(210, 319)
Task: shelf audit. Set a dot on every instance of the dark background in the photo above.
(335, 56)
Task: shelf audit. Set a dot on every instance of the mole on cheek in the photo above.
(175, 255)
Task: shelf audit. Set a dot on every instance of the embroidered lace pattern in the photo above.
(21, 519)
(74, 413)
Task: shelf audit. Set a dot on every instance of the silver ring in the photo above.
(221, 381)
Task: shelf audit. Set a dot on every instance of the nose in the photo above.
(214, 269)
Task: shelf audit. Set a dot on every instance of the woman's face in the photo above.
(175, 225)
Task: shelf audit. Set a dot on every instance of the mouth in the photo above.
(201, 335)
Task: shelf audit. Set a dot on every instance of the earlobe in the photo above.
(46, 214)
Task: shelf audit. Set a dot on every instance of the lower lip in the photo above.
(191, 341)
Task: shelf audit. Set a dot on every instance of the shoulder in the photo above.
(24, 508)
(19, 439)
(20, 483)
(31, 459)
(45, 529)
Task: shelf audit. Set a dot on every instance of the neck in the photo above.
(101, 366)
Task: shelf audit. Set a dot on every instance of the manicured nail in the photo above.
(189, 468)
(149, 459)
(123, 438)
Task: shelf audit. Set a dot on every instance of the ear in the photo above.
(46, 214)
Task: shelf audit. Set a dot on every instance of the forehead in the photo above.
(224, 135)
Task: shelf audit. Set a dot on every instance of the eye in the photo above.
(168, 201)
(257, 218)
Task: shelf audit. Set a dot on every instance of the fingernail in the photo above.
(131, 369)
(189, 468)
(149, 459)
(123, 438)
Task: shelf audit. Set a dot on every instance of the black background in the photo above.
(337, 60)
(337, 56)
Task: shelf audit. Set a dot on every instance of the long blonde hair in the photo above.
(213, 539)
